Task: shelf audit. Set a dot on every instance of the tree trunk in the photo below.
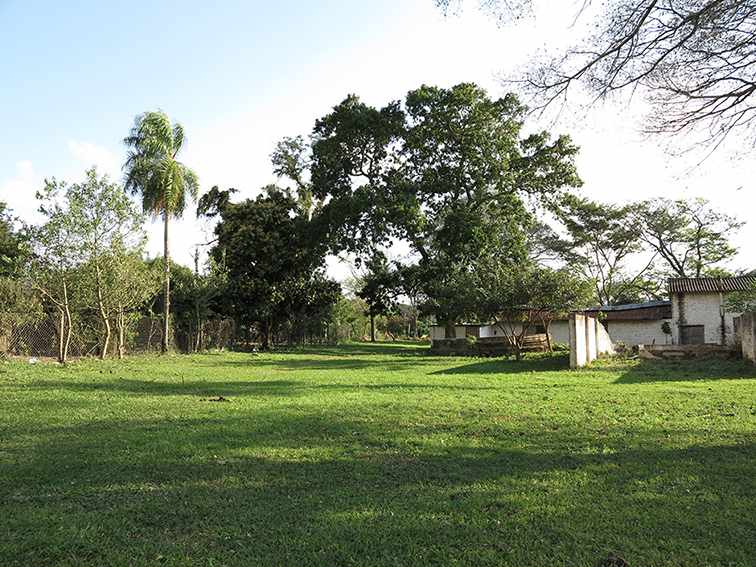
(372, 327)
(67, 312)
(61, 335)
(449, 330)
(547, 326)
(265, 335)
(121, 324)
(166, 286)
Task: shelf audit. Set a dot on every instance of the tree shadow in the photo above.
(645, 371)
(397, 348)
(278, 488)
(529, 365)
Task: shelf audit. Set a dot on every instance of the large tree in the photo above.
(164, 183)
(688, 235)
(378, 288)
(447, 171)
(273, 261)
(693, 59)
(605, 244)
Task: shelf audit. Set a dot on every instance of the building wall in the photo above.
(631, 333)
(702, 309)
(560, 332)
(439, 332)
(748, 336)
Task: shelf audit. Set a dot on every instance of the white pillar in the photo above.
(578, 357)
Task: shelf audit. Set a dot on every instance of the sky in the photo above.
(240, 75)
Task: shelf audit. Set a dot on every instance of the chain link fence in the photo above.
(40, 338)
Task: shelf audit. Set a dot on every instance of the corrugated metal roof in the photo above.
(648, 311)
(632, 306)
(711, 285)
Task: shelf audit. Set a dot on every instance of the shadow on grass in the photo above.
(348, 362)
(323, 489)
(531, 364)
(644, 371)
(396, 348)
(232, 389)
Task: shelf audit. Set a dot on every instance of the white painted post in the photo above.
(748, 336)
(591, 352)
(578, 357)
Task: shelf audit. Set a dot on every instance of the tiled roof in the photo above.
(712, 285)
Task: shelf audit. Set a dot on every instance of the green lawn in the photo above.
(380, 455)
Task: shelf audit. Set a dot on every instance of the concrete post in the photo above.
(748, 336)
(591, 352)
(578, 355)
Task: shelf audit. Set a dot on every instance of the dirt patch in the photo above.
(216, 399)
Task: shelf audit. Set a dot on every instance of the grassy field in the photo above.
(376, 455)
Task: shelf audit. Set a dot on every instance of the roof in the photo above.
(712, 285)
(631, 306)
(648, 311)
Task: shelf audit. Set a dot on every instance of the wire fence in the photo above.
(41, 338)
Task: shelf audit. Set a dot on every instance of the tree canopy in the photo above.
(273, 264)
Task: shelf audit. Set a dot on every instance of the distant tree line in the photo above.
(490, 213)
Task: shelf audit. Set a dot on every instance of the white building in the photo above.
(637, 323)
(632, 324)
(699, 309)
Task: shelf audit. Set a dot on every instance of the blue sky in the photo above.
(82, 70)
(240, 75)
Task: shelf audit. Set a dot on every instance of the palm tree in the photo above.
(163, 182)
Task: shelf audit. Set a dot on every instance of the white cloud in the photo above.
(18, 190)
(87, 155)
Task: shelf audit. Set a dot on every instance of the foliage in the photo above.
(348, 318)
(273, 263)
(601, 242)
(18, 303)
(447, 171)
(196, 298)
(363, 454)
(444, 171)
(56, 252)
(164, 183)
(107, 230)
(14, 250)
(378, 289)
(741, 301)
(688, 235)
(87, 260)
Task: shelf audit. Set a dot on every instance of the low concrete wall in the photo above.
(487, 346)
(685, 352)
(748, 336)
(589, 339)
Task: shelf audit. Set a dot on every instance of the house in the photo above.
(699, 309)
(630, 324)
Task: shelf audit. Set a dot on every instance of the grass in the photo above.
(376, 455)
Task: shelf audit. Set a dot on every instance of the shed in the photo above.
(699, 308)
